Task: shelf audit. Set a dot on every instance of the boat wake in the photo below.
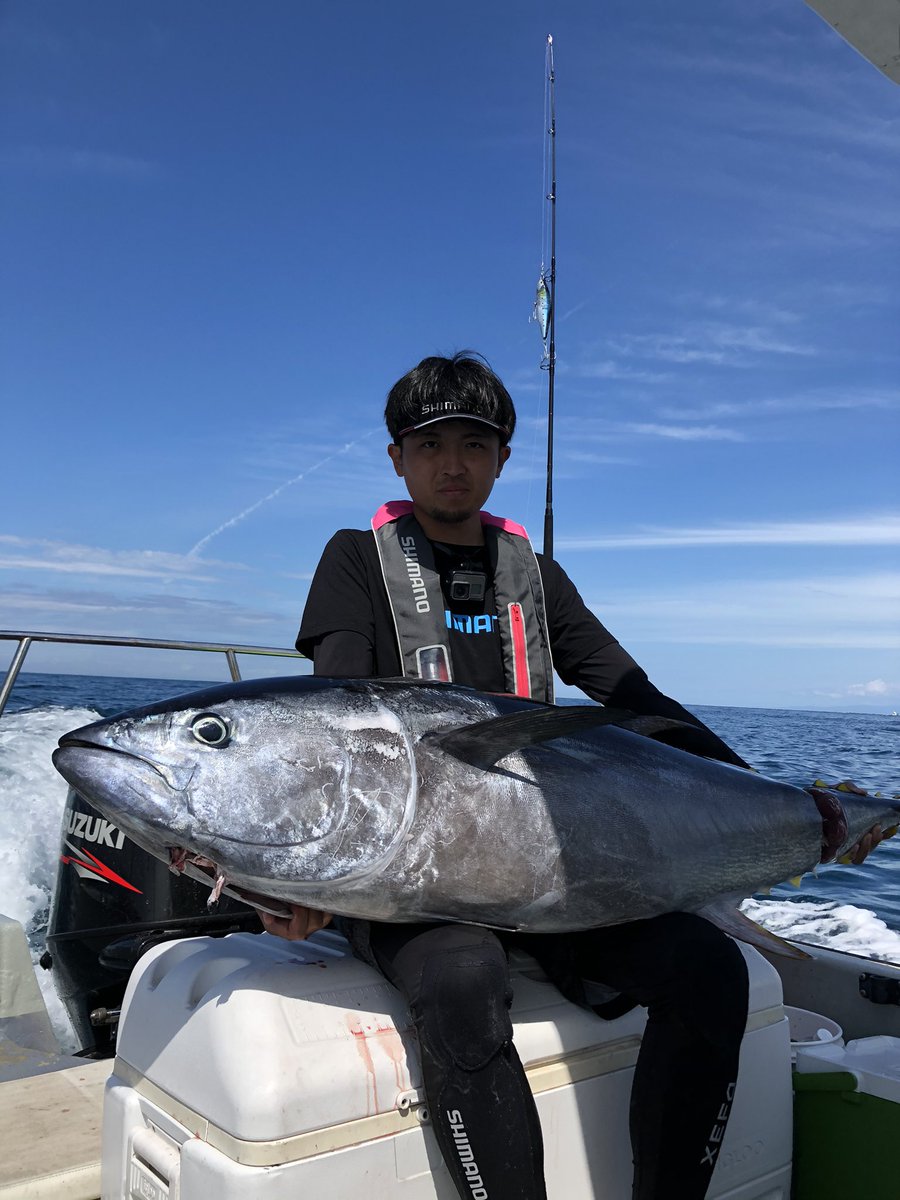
(32, 796)
(827, 923)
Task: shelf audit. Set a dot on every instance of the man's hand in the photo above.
(298, 926)
(866, 844)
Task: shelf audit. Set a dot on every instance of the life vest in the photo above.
(417, 602)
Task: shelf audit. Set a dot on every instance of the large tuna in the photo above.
(403, 801)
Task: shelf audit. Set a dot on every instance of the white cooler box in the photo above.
(251, 1068)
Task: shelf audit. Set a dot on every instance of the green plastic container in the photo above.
(846, 1143)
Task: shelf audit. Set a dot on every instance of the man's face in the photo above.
(449, 468)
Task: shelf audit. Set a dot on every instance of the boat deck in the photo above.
(50, 1133)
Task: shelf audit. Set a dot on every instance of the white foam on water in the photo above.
(827, 923)
(32, 797)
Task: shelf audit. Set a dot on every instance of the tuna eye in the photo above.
(210, 730)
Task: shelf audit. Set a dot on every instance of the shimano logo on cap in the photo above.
(438, 407)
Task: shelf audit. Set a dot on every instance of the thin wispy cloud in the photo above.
(241, 516)
(848, 219)
(572, 311)
(343, 489)
(717, 344)
(40, 554)
(69, 160)
(682, 433)
(822, 401)
(585, 433)
(528, 381)
(517, 470)
(876, 530)
(276, 454)
(51, 602)
(775, 57)
(609, 369)
(597, 459)
(846, 611)
(716, 410)
(818, 400)
(810, 220)
(759, 311)
(808, 127)
(841, 294)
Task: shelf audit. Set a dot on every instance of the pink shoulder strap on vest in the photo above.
(394, 509)
(504, 523)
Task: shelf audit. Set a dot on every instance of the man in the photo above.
(440, 589)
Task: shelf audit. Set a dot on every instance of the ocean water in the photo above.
(850, 908)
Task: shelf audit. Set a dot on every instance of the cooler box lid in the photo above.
(874, 1061)
(267, 1039)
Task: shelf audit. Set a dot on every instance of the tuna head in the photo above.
(287, 782)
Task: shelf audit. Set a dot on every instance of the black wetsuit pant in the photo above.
(691, 978)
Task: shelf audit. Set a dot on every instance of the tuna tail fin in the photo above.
(732, 921)
(486, 742)
(848, 812)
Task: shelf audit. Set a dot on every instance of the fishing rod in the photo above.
(545, 301)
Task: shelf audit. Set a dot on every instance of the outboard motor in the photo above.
(112, 902)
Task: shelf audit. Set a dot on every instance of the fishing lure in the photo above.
(541, 312)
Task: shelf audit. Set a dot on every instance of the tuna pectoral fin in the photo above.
(732, 921)
(486, 742)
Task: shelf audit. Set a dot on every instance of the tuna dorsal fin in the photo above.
(732, 921)
(486, 742)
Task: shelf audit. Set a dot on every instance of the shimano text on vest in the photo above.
(408, 546)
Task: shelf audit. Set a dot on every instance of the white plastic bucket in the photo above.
(810, 1029)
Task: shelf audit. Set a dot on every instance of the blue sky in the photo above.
(227, 229)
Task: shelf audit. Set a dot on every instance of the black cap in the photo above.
(450, 410)
(461, 388)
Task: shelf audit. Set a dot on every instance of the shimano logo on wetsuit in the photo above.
(466, 1156)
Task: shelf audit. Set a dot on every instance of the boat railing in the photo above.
(26, 638)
